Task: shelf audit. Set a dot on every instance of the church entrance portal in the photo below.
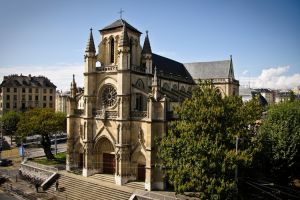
(108, 163)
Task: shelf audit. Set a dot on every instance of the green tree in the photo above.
(198, 153)
(42, 122)
(280, 134)
(292, 95)
(10, 121)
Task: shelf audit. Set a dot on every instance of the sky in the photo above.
(40, 37)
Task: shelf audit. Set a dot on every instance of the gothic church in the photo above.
(129, 95)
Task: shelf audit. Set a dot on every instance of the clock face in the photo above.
(109, 96)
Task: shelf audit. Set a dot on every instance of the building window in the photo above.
(30, 98)
(30, 90)
(50, 105)
(45, 90)
(15, 105)
(36, 98)
(23, 105)
(51, 90)
(139, 102)
(7, 89)
(44, 105)
(45, 98)
(15, 89)
(23, 97)
(7, 105)
(15, 97)
(7, 97)
(112, 50)
(50, 98)
(23, 90)
(36, 90)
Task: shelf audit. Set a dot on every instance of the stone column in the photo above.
(88, 160)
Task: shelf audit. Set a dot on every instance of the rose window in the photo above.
(109, 96)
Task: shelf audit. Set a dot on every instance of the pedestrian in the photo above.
(37, 187)
(56, 185)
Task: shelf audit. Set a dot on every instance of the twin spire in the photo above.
(90, 47)
(146, 47)
(124, 41)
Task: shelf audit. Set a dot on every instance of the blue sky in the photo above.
(49, 37)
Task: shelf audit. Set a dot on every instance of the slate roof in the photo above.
(210, 70)
(26, 81)
(119, 23)
(170, 69)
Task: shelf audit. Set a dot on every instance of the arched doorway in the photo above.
(78, 156)
(105, 158)
(141, 167)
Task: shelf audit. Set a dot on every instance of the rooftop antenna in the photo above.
(121, 12)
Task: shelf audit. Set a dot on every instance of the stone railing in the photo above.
(138, 114)
(111, 68)
(106, 114)
(138, 68)
(78, 111)
(39, 166)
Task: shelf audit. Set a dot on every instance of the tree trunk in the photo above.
(47, 146)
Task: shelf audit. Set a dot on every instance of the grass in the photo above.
(60, 158)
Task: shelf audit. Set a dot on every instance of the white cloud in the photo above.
(60, 74)
(245, 72)
(274, 78)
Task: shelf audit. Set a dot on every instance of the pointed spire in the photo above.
(90, 47)
(146, 47)
(73, 87)
(124, 40)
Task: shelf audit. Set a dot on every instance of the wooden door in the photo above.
(141, 172)
(108, 163)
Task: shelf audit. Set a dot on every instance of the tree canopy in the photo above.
(10, 121)
(198, 153)
(280, 134)
(41, 121)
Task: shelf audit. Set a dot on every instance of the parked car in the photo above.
(5, 162)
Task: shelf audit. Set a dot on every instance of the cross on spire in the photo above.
(121, 12)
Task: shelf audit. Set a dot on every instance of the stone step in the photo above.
(104, 177)
(136, 185)
(72, 188)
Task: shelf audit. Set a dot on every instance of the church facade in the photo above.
(128, 99)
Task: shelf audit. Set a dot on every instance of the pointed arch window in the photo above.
(139, 102)
(112, 50)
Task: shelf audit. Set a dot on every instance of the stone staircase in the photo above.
(82, 188)
(136, 185)
(104, 177)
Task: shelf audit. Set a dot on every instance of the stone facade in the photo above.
(21, 92)
(129, 94)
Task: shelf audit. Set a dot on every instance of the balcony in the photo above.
(106, 114)
(138, 114)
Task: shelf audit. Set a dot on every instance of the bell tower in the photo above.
(89, 99)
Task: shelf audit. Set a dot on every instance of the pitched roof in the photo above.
(120, 23)
(27, 81)
(210, 70)
(171, 69)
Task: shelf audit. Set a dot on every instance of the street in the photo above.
(39, 152)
